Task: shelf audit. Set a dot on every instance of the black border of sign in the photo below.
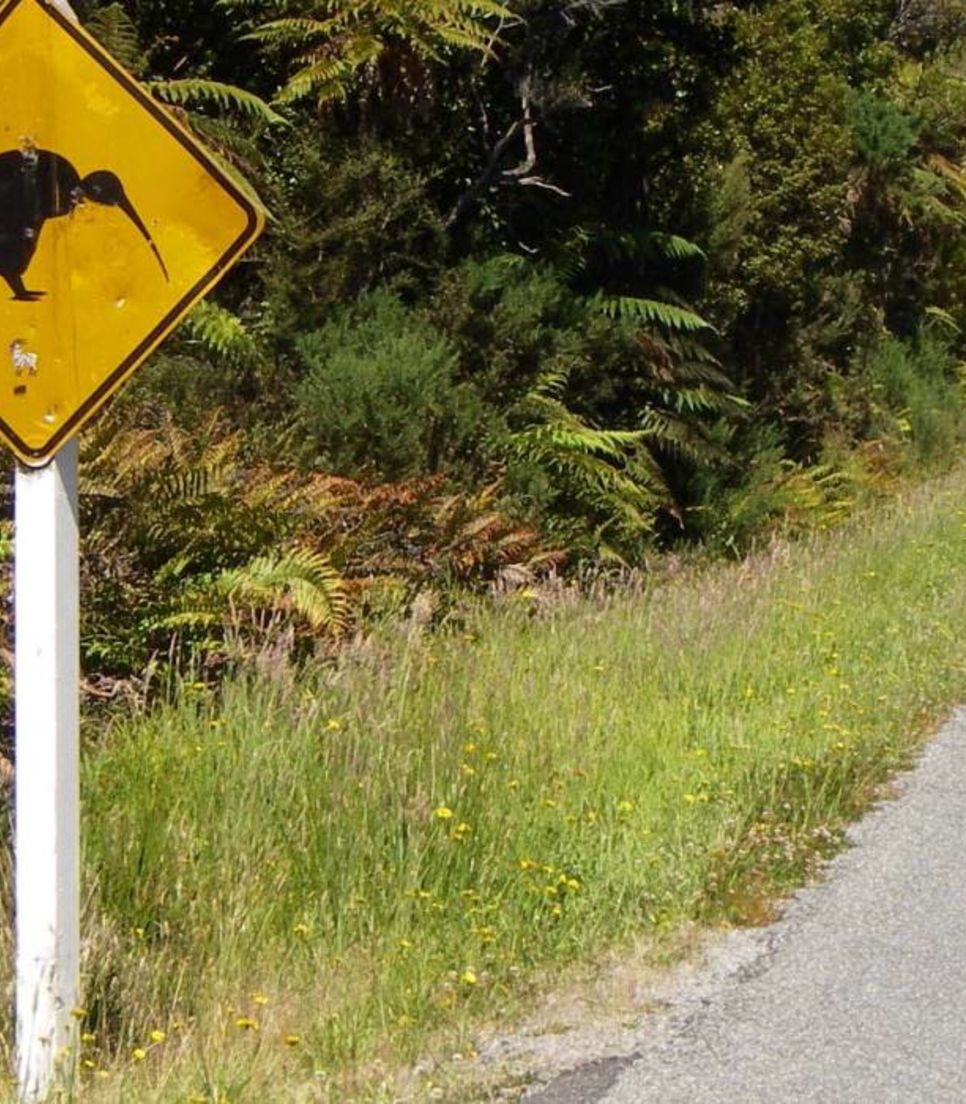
(38, 457)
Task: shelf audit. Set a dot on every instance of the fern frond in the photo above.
(653, 312)
(219, 330)
(302, 581)
(675, 247)
(117, 33)
(556, 439)
(328, 78)
(944, 317)
(702, 371)
(195, 92)
(702, 400)
(551, 384)
(191, 619)
(298, 30)
(677, 436)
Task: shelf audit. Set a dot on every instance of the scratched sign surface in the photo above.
(114, 222)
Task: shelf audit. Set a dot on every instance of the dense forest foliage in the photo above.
(548, 285)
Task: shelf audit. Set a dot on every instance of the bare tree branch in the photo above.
(466, 200)
(528, 124)
(539, 182)
(522, 173)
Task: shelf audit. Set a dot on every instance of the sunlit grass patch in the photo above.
(298, 884)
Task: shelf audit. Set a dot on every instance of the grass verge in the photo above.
(298, 884)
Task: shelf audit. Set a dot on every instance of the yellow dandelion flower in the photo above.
(157, 1036)
(89, 1064)
(260, 998)
(443, 812)
(292, 1040)
(88, 1038)
(625, 807)
(78, 1013)
(139, 1054)
(468, 977)
(301, 930)
(333, 725)
(246, 1023)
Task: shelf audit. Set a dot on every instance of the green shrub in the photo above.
(381, 392)
(765, 494)
(884, 134)
(916, 393)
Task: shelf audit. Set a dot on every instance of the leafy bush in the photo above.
(381, 393)
(916, 393)
(884, 134)
(766, 494)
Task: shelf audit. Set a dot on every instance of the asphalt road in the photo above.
(858, 994)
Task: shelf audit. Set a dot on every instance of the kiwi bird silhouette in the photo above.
(38, 184)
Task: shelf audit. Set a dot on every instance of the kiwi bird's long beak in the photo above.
(128, 208)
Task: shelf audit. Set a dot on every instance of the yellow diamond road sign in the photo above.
(114, 222)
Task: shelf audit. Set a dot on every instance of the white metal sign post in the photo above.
(47, 830)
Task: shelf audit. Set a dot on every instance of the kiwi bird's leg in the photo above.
(15, 282)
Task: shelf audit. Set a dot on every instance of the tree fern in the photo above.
(330, 41)
(608, 471)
